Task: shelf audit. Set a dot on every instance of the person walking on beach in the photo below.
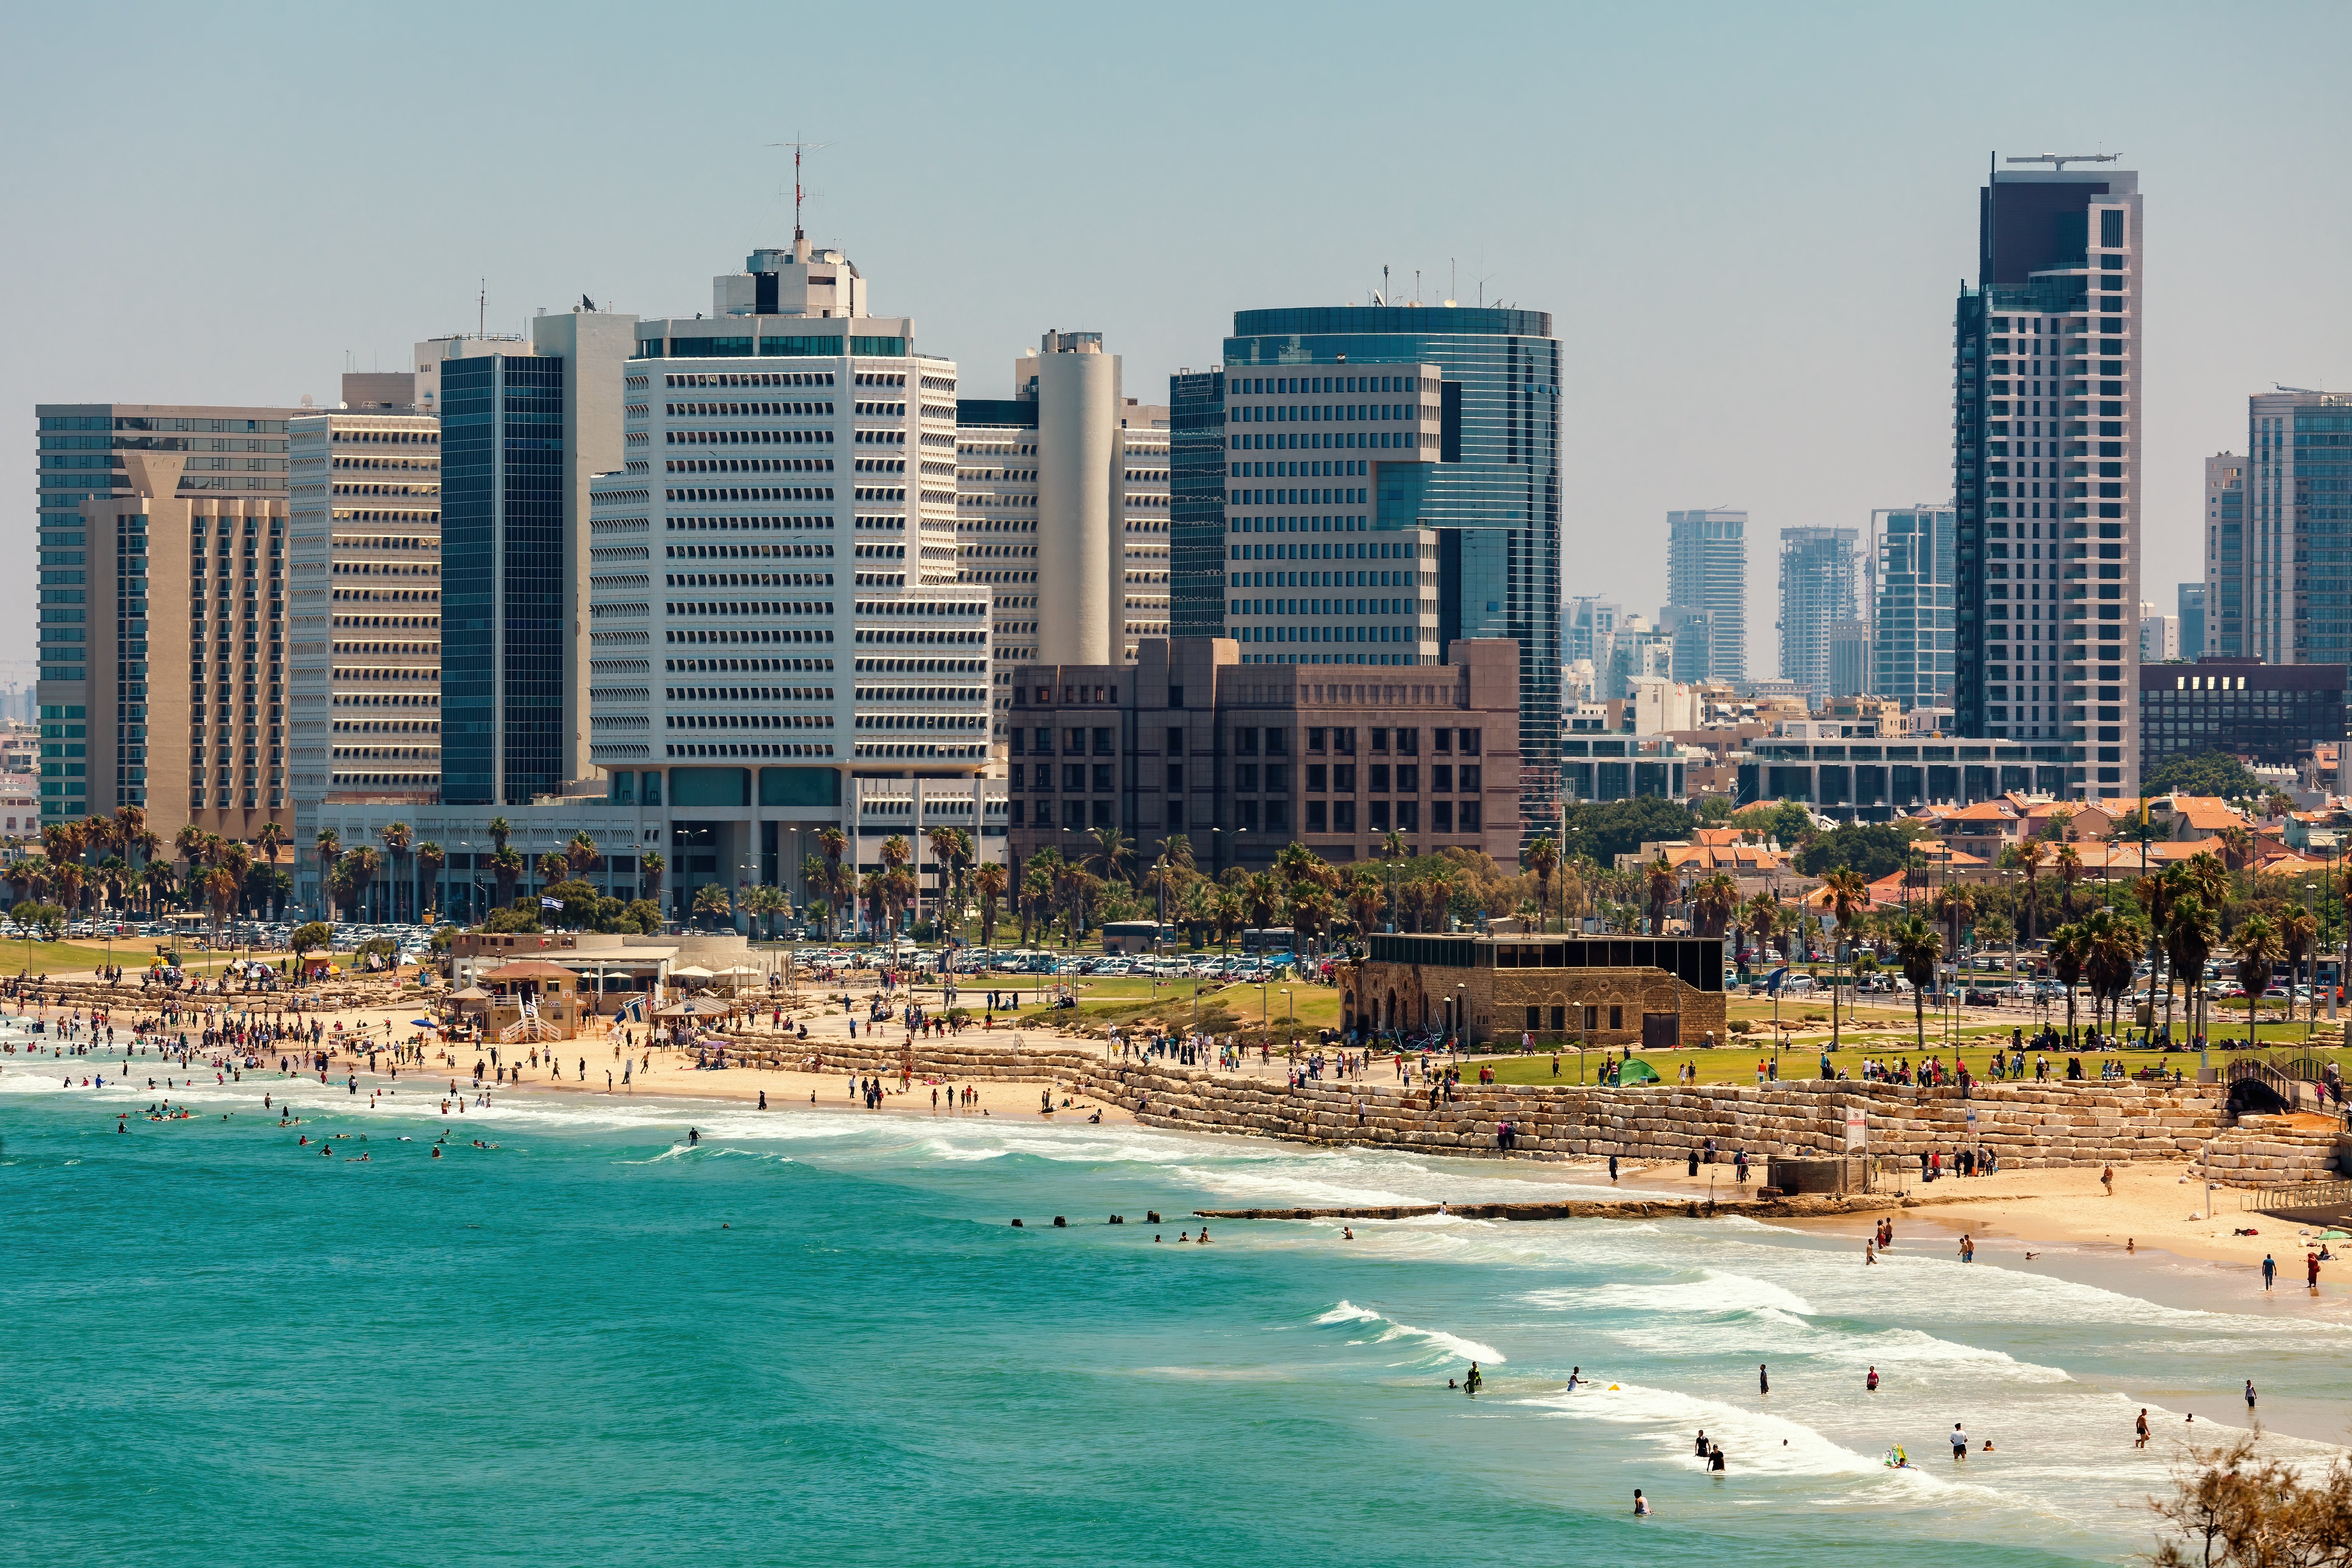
(2269, 1270)
(2141, 1425)
(2108, 1180)
(2249, 1398)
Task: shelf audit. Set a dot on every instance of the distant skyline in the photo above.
(1747, 225)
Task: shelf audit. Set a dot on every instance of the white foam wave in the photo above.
(1754, 1441)
(1715, 1292)
(1438, 1345)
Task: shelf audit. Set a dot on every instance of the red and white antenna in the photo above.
(798, 148)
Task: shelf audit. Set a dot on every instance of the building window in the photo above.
(1343, 816)
(1441, 816)
(1379, 816)
(1616, 1018)
(1469, 817)
(1277, 816)
(1245, 815)
(1245, 775)
(1316, 817)
(1559, 1020)
(1103, 784)
(1343, 778)
(1407, 812)
(1012, 810)
(1073, 815)
(1103, 816)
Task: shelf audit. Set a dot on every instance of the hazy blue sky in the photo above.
(1748, 222)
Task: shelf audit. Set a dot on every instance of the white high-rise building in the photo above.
(1818, 573)
(1706, 569)
(364, 608)
(776, 601)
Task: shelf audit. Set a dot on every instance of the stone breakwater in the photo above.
(2027, 1125)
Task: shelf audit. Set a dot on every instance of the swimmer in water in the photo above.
(1347, 1233)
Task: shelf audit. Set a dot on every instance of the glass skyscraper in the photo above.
(504, 600)
(1911, 621)
(1196, 503)
(1492, 499)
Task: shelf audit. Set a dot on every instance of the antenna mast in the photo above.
(798, 147)
(2058, 160)
(482, 309)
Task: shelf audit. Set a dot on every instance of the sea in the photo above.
(817, 1336)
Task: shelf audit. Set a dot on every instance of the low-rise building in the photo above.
(1244, 759)
(1620, 992)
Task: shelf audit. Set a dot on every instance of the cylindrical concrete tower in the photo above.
(1078, 457)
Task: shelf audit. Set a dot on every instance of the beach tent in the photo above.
(1633, 1069)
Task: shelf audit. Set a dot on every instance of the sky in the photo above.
(1749, 223)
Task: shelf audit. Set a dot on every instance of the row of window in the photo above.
(1268, 817)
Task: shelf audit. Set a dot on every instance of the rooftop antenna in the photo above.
(1482, 290)
(2058, 160)
(482, 311)
(798, 148)
(2307, 391)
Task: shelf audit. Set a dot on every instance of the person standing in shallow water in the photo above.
(1763, 1379)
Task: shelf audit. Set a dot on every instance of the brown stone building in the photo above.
(1610, 990)
(1244, 759)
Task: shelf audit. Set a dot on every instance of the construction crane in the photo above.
(2058, 160)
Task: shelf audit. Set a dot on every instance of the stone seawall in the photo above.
(2027, 1125)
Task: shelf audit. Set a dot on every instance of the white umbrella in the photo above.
(689, 971)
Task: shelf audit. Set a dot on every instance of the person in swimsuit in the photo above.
(1640, 1504)
(2141, 1427)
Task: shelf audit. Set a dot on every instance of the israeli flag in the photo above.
(547, 903)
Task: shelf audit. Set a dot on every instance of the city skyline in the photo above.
(340, 284)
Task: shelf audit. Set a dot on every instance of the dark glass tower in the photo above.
(1494, 498)
(1196, 502)
(503, 600)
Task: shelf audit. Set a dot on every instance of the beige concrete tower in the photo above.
(1081, 500)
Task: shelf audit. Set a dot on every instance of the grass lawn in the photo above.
(1739, 1066)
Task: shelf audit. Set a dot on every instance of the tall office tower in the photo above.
(1817, 591)
(2294, 577)
(364, 607)
(232, 454)
(2046, 453)
(1694, 632)
(1429, 510)
(806, 622)
(2225, 554)
(1911, 619)
(180, 574)
(1144, 436)
(1590, 629)
(1850, 659)
(1707, 569)
(1196, 503)
(2191, 605)
(524, 427)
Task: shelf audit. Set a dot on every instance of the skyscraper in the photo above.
(1435, 435)
(1196, 503)
(2046, 474)
(2225, 554)
(1911, 622)
(230, 454)
(2293, 579)
(1817, 592)
(1707, 569)
(524, 427)
(2193, 621)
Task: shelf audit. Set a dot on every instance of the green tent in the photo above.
(1633, 1069)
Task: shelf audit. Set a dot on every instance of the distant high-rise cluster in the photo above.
(1819, 594)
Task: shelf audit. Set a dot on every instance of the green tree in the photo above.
(2201, 772)
(1875, 849)
(2259, 948)
(312, 936)
(1917, 946)
(1602, 831)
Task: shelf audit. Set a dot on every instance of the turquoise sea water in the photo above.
(816, 1338)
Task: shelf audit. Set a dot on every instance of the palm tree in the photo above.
(2111, 958)
(1848, 895)
(989, 880)
(1037, 889)
(159, 881)
(1393, 851)
(2189, 942)
(500, 830)
(271, 838)
(1364, 895)
(1714, 900)
(582, 854)
(650, 866)
(1111, 851)
(396, 845)
(834, 842)
(711, 902)
(2297, 934)
(1917, 946)
(1542, 856)
(2258, 945)
(361, 865)
(2030, 856)
(1763, 919)
(222, 887)
(506, 870)
(1661, 886)
(1959, 908)
(2068, 950)
(942, 844)
(1178, 849)
(237, 860)
(1229, 916)
(2069, 863)
(430, 859)
(328, 844)
(1262, 899)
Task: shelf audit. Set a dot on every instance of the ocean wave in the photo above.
(1712, 1293)
(1440, 1344)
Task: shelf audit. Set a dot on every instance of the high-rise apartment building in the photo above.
(2192, 598)
(1817, 592)
(364, 615)
(524, 427)
(2285, 590)
(1588, 632)
(777, 602)
(1707, 569)
(1911, 617)
(1196, 503)
(2159, 635)
(2046, 470)
(2225, 554)
(1062, 499)
(1392, 483)
(85, 452)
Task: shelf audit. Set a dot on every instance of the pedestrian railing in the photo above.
(2298, 1195)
